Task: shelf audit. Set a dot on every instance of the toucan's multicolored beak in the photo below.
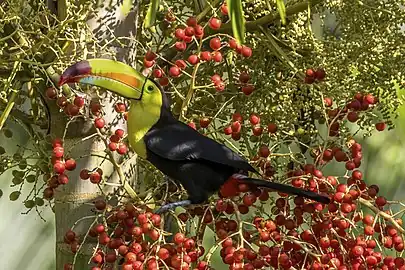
(109, 74)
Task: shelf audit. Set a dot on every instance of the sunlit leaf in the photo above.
(281, 10)
(237, 19)
(151, 14)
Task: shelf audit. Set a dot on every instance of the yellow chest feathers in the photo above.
(142, 116)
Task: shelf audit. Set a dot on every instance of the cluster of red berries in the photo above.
(116, 143)
(282, 242)
(312, 75)
(95, 176)
(115, 140)
(360, 102)
(236, 126)
(60, 165)
(71, 107)
(127, 238)
(185, 36)
(247, 88)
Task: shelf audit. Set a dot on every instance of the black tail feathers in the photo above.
(285, 189)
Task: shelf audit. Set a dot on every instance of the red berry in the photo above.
(158, 73)
(272, 128)
(148, 64)
(352, 116)
(236, 126)
(233, 44)
(191, 21)
(120, 107)
(181, 64)
(214, 23)
(150, 56)
(205, 56)
(244, 77)
(193, 59)
(95, 107)
(357, 251)
(122, 149)
(189, 31)
(309, 80)
(163, 253)
(264, 151)
(310, 72)
(192, 125)
(164, 81)
(59, 167)
(237, 117)
(328, 102)
(179, 33)
(99, 123)
(51, 93)
(224, 9)
(320, 74)
(216, 78)
(228, 130)
(357, 175)
(62, 101)
(204, 122)
(217, 56)
(57, 142)
(380, 126)
(70, 164)
(63, 179)
(100, 204)
(370, 99)
(215, 43)
(248, 89)
(179, 238)
(180, 46)
(199, 31)
(246, 51)
(174, 71)
(350, 165)
(254, 119)
(79, 101)
(95, 177)
(380, 201)
(84, 174)
(48, 193)
(58, 152)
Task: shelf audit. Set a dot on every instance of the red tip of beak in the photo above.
(75, 72)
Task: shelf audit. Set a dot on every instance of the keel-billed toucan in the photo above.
(199, 163)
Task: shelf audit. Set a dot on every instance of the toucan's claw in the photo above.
(171, 206)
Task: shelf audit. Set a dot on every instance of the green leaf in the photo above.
(237, 19)
(151, 14)
(281, 10)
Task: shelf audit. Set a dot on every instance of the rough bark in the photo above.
(75, 200)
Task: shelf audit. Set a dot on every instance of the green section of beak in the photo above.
(109, 74)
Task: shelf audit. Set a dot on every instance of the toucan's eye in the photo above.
(150, 88)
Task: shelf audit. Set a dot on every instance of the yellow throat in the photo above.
(142, 115)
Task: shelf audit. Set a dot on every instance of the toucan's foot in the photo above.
(171, 206)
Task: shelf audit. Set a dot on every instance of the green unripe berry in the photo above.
(14, 195)
(17, 180)
(39, 201)
(31, 178)
(29, 204)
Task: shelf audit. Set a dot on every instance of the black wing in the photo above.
(178, 141)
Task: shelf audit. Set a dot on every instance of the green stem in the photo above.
(8, 109)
